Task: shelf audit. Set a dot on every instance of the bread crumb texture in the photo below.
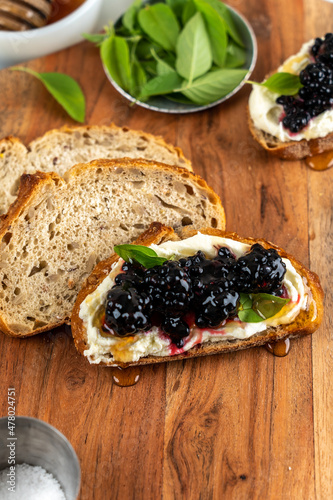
(59, 150)
(58, 230)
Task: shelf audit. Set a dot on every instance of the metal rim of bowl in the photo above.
(50, 427)
(196, 108)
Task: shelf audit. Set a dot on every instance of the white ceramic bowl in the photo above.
(17, 46)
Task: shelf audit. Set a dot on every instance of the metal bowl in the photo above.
(160, 103)
(38, 443)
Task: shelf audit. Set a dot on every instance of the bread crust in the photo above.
(305, 323)
(33, 184)
(291, 150)
(85, 128)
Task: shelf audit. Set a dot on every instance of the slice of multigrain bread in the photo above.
(307, 321)
(58, 150)
(59, 229)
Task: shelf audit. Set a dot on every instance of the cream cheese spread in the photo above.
(266, 113)
(106, 348)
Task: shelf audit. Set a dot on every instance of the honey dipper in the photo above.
(18, 15)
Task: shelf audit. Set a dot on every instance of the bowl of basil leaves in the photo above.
(178, 56)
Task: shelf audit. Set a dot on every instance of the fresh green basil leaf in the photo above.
(194, 55)
(97, 38)
(249, 316)
(282, 83)
(245, 301)
(225, 14)
(65, 90)
(216, 29)
(145, 256)
(213, 86)
(130, 16)
(177, 97)
(162, 84)
(245, 311)
(266, 305)
(188, 11)
(162, 67)
(139, 78)
(116, 58)
(150, 67)
(144, 47)
(236, 56)
(160, 24)
(177, 6)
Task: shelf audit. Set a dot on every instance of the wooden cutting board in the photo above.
(246, 425)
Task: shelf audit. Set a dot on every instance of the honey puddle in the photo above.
(126, 377)
(280, 348)
(321, 161)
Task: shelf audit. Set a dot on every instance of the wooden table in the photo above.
(246, 425)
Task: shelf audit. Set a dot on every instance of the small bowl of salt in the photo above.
(37, 462)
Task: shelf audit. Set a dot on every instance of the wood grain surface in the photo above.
(242, 426)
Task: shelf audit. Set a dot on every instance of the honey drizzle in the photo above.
(322, 161)
(126, 377)
(280, 348)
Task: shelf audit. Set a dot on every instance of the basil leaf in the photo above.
(188, 12)
(256, 307)
(64, 89)
(214, 85)
(96, 38)
(216, 29)
(160, 24)
(150, 67)
(162, 84)
(267, 305)
(177, 97)
(236, 56)
(282, 83)
(225, 14)
(194, 55)
(177, 6)
(245, 301)
(139, 78)
(130, 16)
(162, 67)
(115, 57)
(145, 256)
(249, 316)
(144, 48)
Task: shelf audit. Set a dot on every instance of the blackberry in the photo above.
(169, 288)
(214, 306)
(260, 271)
(176, 328)
(316, 47)
(203, 272)
(316, 95)
(125, 311)
(132, 276)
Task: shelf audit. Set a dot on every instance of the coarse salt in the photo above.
(32, 482)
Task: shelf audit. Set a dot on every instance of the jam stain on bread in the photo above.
(210, 289)
(296, 127)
